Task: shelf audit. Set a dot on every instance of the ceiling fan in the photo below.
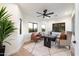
(45, 14)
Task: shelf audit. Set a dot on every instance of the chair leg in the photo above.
(58, 44)
(69, 47)
(55, 43)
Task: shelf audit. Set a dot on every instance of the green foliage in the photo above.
(6, 25)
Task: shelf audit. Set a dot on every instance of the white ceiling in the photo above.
(60, 9)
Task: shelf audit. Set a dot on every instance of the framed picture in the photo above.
(58, 27)
(20, 31)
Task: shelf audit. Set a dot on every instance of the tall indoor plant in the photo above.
(6, 28)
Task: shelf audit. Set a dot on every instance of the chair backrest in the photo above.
(69, 37)
(66, 41)
(63, 36)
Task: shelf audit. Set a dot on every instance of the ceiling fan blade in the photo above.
(50, 13)
(47, 16)
(39, 13)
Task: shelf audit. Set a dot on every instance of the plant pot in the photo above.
(2, 50)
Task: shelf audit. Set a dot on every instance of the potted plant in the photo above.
(6, 28)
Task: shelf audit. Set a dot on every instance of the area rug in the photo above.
(38, 49)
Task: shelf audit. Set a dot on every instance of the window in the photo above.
(33, 27)
(43, 28)
(58, 27)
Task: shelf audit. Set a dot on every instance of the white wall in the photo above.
(27, 35)
(77, 30)
(15, 39)
(66, 20)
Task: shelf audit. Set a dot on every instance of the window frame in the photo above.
(43, 29)
(33, 29)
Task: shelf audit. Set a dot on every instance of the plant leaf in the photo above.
(6, 25)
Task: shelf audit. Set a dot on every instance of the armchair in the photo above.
(65, 39)
(35, 36)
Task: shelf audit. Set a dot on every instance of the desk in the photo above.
(48, 39)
